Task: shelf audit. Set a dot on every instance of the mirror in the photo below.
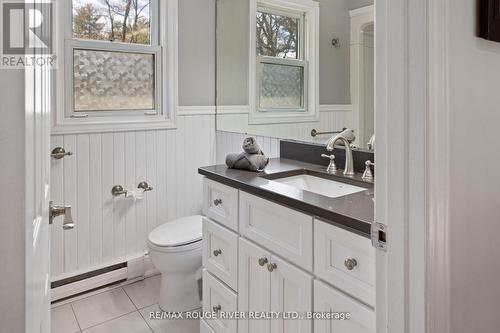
(288, 67)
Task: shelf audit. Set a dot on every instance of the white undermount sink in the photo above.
(326, 187)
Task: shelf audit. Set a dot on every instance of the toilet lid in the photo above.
(177, 232)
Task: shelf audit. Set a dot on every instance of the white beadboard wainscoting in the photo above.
(229, 142)
(110, 228)
(331, 118)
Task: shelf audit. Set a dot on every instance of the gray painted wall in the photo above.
(475, 185)
(353, 4)
(196, 68)
(334, 73)
(12, 238)
(232, 52)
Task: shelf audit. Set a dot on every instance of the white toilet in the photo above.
(175, 249)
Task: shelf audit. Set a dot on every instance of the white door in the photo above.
(37, 159)
(291, 291)
(254, 286)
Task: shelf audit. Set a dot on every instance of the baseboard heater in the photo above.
(98, 278)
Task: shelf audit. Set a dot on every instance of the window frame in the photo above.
(73, 45)
(286, 62)
(307, 11)
(163, 47)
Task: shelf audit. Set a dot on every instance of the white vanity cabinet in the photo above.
(261, 257)
(269, 284)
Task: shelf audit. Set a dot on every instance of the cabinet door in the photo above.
(254, 286)
(220, 252)
(291, 292)
(329, 300)
(205, 328)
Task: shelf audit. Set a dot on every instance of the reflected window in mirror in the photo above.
(281, 67)
(284, 49)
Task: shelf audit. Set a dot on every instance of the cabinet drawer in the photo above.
(328, 300)
(282, 230)
(205, 328)
(220, 252)
(217, 297)
(345, 260)
(220, 202)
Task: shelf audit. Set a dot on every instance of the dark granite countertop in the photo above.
(353, 212)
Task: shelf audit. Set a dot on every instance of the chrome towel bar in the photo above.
(315, 133)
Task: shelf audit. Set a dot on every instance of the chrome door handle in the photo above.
(55, 211)
(217, 202)
(350, 264)
(217, 252)
(217, 308)
(272, 267)
(59, 152)
(263, 261)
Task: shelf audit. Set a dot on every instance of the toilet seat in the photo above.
(170, 249)
(181, 234)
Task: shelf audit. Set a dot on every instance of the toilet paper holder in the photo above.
(118, 190)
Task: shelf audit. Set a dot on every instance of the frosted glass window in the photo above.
(281, 87)
(122, 21)
(111, 80)
(277, 35)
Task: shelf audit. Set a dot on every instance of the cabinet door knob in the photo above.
(216, 308)
(350, 264)
(263, 261)
(217, 252)
(272, 267)
(217, 202)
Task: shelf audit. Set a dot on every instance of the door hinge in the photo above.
(379, 236)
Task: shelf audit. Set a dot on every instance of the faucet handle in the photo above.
(368, 174)
(331, 157)
(332, 168)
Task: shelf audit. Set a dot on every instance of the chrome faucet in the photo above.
(371, 143)
(330, 145)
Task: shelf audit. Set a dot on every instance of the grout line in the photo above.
(130, 298)
(115, 318)
(147, 323)
(74, 314)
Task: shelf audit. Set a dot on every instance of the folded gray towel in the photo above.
(251, 146)
(252, 158)
(252, 162)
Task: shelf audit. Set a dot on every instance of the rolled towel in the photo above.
(251, 146)
(252, 162)
(348, 134)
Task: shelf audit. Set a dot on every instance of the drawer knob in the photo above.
(217, 252)
(262, 261)
(350, 264)
(216, 308)
(272, 267)
(217, 202)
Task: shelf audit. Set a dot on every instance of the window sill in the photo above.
(95, 125)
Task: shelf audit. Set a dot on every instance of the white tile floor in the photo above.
(120, 310)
